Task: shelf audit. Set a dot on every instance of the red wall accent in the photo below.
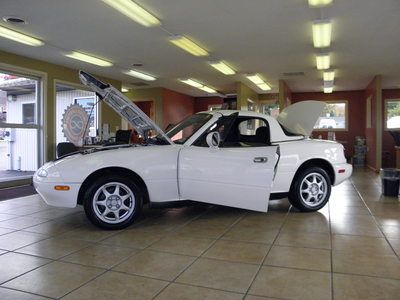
(370, 133)
(176, 107)
(388, 151)
(202, 103)
(356, 114)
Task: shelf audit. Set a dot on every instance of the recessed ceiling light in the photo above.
(222, 67)
(264, 86)
(14, 20)
(134, 12)
(19, 37)
(140, 75)
(322, 33)
(208, 90)
(323, 61)
(255, 78)
(124, 90)
(191, 82)
(89, 59)
(329, 75)
(188, 45)
(198, 85)
(319, 3)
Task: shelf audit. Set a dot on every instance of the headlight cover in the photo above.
(42, 172)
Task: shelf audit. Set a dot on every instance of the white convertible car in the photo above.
(234, 158)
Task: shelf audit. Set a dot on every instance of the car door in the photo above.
(237, 176)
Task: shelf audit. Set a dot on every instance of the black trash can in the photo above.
(390, 182)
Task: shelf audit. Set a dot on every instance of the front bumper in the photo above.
(342, 172)
(57, 198)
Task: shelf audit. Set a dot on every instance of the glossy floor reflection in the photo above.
(348, 250)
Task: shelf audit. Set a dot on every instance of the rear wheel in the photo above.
(311, 189)
(113, 202)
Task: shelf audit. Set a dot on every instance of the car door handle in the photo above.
(260, 159)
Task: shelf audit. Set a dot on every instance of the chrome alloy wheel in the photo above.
(113, 202)
(313, 189)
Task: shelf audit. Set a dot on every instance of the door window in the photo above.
(238, 132)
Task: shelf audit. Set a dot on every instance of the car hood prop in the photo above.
(300, 117)
(123, 106)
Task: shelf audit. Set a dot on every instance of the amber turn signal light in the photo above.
(61, 188)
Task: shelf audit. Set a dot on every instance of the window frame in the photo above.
(385, 114)
(346, 118)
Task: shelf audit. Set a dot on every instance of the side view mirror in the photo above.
(213, 139)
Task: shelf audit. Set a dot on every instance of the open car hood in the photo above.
(300, 117)
(123, 106)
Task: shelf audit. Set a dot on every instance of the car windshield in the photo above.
(181, 132)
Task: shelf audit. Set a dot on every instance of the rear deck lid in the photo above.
(123, 106)
(300, 117)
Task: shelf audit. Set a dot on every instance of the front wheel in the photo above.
(310, 190)
(113, 202)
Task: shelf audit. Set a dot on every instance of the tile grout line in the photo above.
(134, 254)
(331, 251)
(269, 250)
(376, 222)
(200, 256)
(30, 293)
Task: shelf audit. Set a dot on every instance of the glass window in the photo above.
(180, 133)
(66, 96)
(18, 96)
(270, 109)
(334, 117)
(392, 113)
(28, 113)
(250, 126)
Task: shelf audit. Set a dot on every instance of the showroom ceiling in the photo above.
(268, 37)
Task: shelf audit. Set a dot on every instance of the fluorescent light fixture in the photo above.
(323, 61)
(222, 67)
(319, 3)
(140, 75)
(264, 86)
(198, 85)
(19, 37)
(188, 45)
(134, 11)
(208, 90)
(89, 59)
(255, 78)
(329, 76)
(191, 82)
(322, 33)
(124, 90)
(328, 90)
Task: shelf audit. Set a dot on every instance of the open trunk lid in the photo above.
(123, 106)
(300, 117)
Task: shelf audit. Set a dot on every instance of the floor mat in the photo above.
(16, 192)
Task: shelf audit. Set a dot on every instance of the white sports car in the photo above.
(234, 158)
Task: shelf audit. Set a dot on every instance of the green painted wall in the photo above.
(55, 72)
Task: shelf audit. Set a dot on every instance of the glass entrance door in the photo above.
(20, 129)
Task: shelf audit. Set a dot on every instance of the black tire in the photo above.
(128, 195)
(310, 197)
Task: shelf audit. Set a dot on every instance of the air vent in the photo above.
(291, 74)
(139, 84)
(14, 20)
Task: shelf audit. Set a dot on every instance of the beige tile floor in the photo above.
(348, 250)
